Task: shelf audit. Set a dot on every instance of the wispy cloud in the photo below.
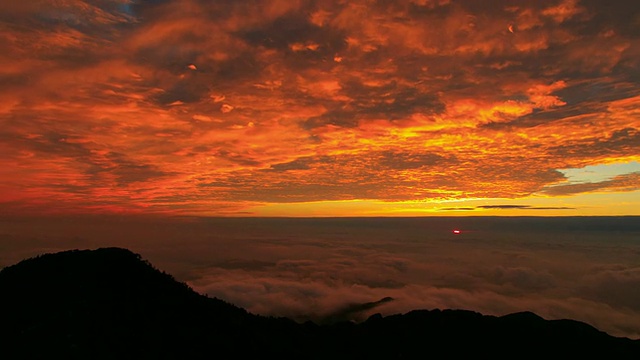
(507, 207)
(624, 182)
(527, 207)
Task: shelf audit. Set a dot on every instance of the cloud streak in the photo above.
(618, 183)
(507, 207)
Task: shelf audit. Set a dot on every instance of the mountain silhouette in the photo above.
(110, 303)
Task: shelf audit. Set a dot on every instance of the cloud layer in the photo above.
(330, 269)
(210, 106)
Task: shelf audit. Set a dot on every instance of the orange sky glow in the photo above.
(320, 108)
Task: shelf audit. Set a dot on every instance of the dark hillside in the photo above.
(109, 303)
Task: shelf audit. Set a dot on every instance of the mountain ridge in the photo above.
(109, 302)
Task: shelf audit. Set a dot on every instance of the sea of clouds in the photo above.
(335, 269)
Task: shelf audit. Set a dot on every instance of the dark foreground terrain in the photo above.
(109, 303)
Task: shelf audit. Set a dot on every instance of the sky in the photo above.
(320, 108)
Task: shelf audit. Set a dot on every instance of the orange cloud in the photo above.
(187, 106)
